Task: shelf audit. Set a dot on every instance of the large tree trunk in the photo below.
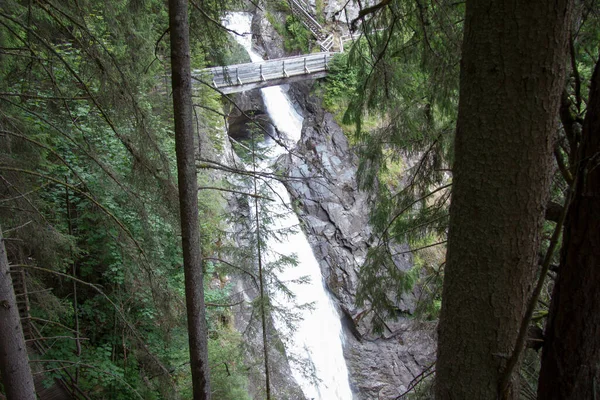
(188, 196)
(571, 354)
(14, 364)
(512, 74)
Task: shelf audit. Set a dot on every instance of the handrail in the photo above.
(235, 77)
(306, 14)
(316, 28)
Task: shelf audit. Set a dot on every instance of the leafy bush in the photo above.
(340, 85)
(297, 37)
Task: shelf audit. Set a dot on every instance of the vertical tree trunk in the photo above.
(264, 301)
(571, 353)
(512, 74)
(188, 196)
(14, 364)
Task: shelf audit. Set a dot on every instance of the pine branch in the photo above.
(118, 311)
(55, 337)
(124, 141)
(78, 363)
(40, 97)
(47, 148)
(420, 248)
(70, 139)
(367, 11)
(24, 196)
(252, 274)
(233, 191)
(215, 22)
(209, 304)
(412, 203)
(430, 370)
(121, 225)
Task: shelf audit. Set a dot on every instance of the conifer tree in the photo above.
(512, 71)
(404, 67)
(571, 350)
(14, 362)
(188, 196)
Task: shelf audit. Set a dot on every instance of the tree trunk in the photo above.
(512, 74)
(14, 364)
(263, 296)
(188, 196)
(571, 353)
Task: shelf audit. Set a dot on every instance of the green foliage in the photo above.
(296, 37)
(282, 6)
(228, 372)
(235, 53)
(87, 171)
(402, 101)
(320, 11)
(340, 85)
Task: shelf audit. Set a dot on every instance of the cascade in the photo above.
(318, 336)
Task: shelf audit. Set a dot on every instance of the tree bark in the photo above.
(14, 364)
(570, 358)
(188, 196)
(512, 74)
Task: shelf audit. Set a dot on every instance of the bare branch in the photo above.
(233, 191)
(367, 11)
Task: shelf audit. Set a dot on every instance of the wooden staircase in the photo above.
(324, 39)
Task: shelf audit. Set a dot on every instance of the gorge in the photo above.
(332, 211)
(411, 214)
(315, 338)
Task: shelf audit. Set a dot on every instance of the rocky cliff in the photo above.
(334, 214)
(335, 217)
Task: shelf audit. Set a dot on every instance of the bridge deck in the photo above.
(242, 77)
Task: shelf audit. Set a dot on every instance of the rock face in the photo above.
(247, 320)
(265, 39)
(334, 214)
(335, 217)
(247, 115)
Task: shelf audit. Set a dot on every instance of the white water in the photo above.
(318, 336)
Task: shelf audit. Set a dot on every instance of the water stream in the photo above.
(318, 336)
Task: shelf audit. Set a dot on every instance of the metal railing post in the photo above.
(237, 76)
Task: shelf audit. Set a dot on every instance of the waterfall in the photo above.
(318, 336)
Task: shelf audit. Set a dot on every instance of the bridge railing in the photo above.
(252, 73)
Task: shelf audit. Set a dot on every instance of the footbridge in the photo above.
(241, 77)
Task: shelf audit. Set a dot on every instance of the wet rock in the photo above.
(247, 114)
(247, 320)
(266, 41)
(335, 217)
